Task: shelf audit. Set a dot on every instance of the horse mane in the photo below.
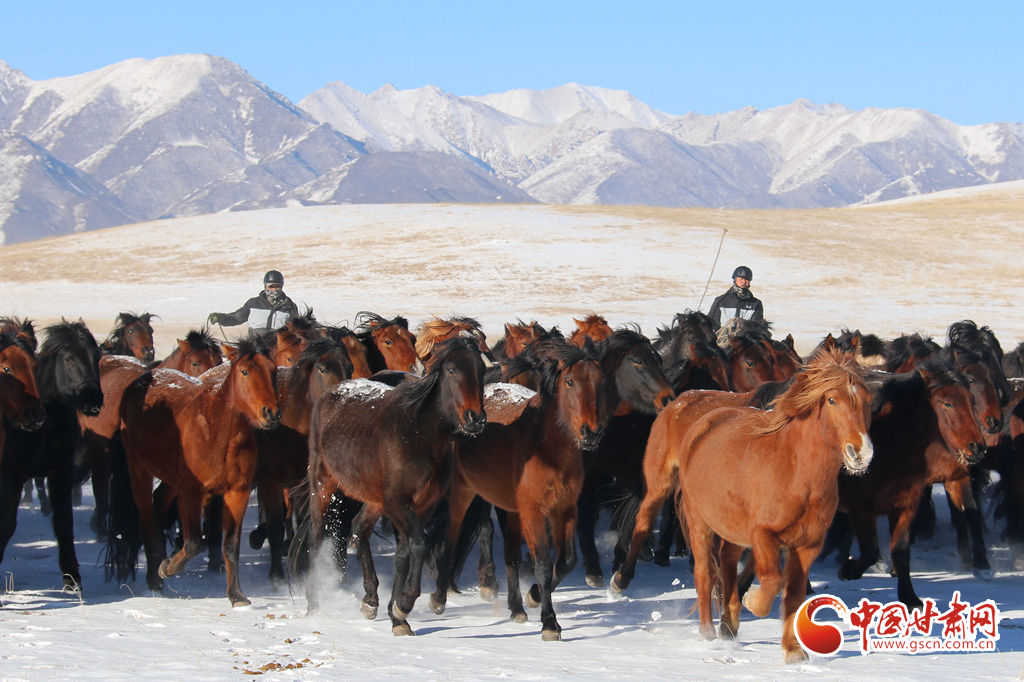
(8, 339)
(1013, 362)
(758, 329)
(767, 393)
(125, 319)
(831, 370)
(902, 349)
(934, 372)
(23, 329)
(303, 322)
(367, 323)
(436, 329)
(687, 323)
(63, 334)
(740, 343)
(966, 333)
(564, 355)
(622, 340)
(249, 346)
(317, 348)
(412, 395)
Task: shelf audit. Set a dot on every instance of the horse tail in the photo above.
(839, 536)
(436, 530)
(627, 506)
(298, 550)
(124, 525)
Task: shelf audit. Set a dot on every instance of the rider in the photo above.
(739, 301)
(266, 312)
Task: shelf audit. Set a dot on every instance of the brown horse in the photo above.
(389, 343)
(193, 355)
(435, 330)
(593, 327)
(751, 362)
(533, 469)
(518, 337)
(283, 453)
(197, 436)
(389, 449)
(780, 468)
(924, 430)
(19, 396)
(132, 335)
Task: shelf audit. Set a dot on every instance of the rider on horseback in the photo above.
(266, 312)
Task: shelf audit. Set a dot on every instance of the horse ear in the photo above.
(790, 342)
(229, 351)
(855, 343)
(183, 345)
(579, 323)
(829, 343)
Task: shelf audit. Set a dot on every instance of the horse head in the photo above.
(456, 368)
(593, 327)
(253, 377)
(69, 367)
(633, 372)
(950, 397)
(392, 339)
(751, 363)
(577, 383)
(196, 353)
(981, 379)
(19, 395)
(328, 361)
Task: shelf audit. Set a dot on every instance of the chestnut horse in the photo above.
(389, 343)
(780, 468)
(533, 469)
(593, 327)
(925, 430)
(132, 335)
(193, 355)
(389, 449)
(197, 436)
(19, 397)
(518, 337)
(67, 377)
(435, 330)
(283, 453)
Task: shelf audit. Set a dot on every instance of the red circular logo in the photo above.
(823, 640)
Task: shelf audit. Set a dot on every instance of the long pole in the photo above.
(712, 273)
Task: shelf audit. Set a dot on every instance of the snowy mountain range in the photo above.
(196, 134)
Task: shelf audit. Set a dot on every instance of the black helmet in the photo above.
(273, 277)
(744, 272)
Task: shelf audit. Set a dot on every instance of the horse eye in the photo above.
(388, 342)
(245, 373)
(638, 363)
(195, 364)
(7, 370)
(323, 370)
(750, 363)
(568, 382)
(831, 401)
(451, 371)
(131, 331)
(948, 405)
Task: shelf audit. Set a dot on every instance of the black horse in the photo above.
(69, 381)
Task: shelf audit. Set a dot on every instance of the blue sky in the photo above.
(961, 60)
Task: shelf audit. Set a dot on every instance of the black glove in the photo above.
(214, 318)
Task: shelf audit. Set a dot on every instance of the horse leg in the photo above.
(190, 511)
(45, 507)
(731, 607)
(234, 504)
(701, 540)
(667, 536)
(564, 536)
(657, 491)
(766, 560)
(970, 528)
(899, 528)
(535, 529)
(99, 462)
(587, 513)
(258, 535)
(459, 500)
(317, 506)
(865, 527)
(485, 568)
(363, 528)
(152, 505)
(60, 484)
(403, 558)
(272, 512)
(513, 536)
(213, 523)
(798, 564)
(10, 497)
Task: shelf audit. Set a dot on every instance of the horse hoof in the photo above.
(436, 606)
(595, 581)
(488, 593)
(750, 601)
(796, 656)
(520, 617)
(369, 612)
(257, 538)
(399, 614)
(551, 636)
(73, 585)
(533, 597)
(615, 584)
(240, 601)
(984, 574)
(402, 630)
(162, 569)
(661, 559)
(726, 631)
(707, 632)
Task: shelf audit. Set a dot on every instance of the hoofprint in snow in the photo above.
(914, 267)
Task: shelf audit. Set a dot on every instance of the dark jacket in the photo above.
(730, 305)
(260, 314)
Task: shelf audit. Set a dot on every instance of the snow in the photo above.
(507, 394)
(916, 266)
(361, 390)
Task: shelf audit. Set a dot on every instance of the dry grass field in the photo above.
(912, 265)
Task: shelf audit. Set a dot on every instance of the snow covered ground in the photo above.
(912, 267)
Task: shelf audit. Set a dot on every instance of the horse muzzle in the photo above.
(973, 453)
(271, 418)
(856, 461)
(89, 400)
(993, 426)
(590, 439)
(148, 355)
(473, 423)
(32, 420)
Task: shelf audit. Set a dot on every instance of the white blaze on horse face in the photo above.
(857, 456)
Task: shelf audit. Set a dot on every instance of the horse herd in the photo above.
(736, 441)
